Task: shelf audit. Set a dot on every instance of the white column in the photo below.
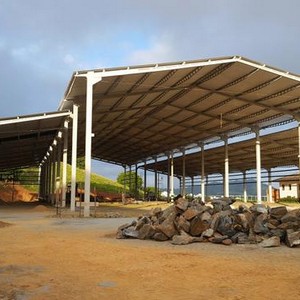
(298, 187)
(172, 176)
(202, 175)
(58, 177)
(155, 179)
(145, 179)
(65, 161)
(245, 186)
(40, 182)
(226, 173)
(74, 156)
(183, 174)
(91, 79)
(192, 189)
(270, 190)
(258, 167)
(53, 158)
(168, 178)
(88, 143)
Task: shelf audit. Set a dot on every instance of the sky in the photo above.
(43, 42)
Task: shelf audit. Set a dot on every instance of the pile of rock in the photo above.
(187, 222)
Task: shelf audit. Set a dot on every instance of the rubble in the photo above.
(188, 222)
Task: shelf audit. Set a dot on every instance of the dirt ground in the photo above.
(45, 257)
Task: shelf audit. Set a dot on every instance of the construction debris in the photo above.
(189, 222)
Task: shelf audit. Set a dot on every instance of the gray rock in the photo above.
(259, 209)
(182, 204)
(169, 212)
(206, 216)
(243, 220)
(167, 226)
(131, 232)
(159, 236)
(190, 213)
(291, 216)
(146, 232)
(157, 211)
(227, 242)
(207, 233)
(278, 232)
(182, 239)
(260, 225)
(140, 223)
(292, 238)
(278, 212)
(226, 225)
(198, 226)
(182, 224)
(273, 241)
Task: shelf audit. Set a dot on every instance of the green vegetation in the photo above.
(29, 179)
(98, 182)
(130, 177)
(288, 199)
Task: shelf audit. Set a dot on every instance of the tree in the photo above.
(81, 162)
(129, 177)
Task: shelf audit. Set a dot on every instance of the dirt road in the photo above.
(42, 257)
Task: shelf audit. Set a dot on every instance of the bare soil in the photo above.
(45, 257)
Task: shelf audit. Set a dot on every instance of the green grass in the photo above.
(98, 182)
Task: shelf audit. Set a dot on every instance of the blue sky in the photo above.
(43, 42)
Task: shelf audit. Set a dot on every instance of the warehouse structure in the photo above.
(131, 115)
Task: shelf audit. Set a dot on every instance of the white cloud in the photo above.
(25, 53)
(69, 59)
(160, 50)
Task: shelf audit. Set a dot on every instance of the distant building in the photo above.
(289, 186)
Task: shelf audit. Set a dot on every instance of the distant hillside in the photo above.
(29, 179)
(236, 188)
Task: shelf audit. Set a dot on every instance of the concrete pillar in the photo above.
(136, 182)
(172, 175)
(183, 174)
(226, 169)
(270, 190)
(258, 167)
(245, 186)
(202, 174)
(74, 156)
(58, 175)
(145, 179)
(65, 161)
(130, 179)
(155, 179)
(192, 189)
(124, 183)
(299, 160)
(168, 178)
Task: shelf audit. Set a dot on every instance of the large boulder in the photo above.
(278, 212)
(273, 241)
(292, 238)
(260, 224)
(198, 226)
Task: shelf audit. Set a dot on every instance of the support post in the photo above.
(58, 177)
(91, 79)
(298, 188)
(183, 174)
(226, 173)
(172, 176)
(74, 156)
(192, 191)
(145, 178)
(202, 174)
(245, 186)
(136, 182)
(65, 160)
(155, 179)
(270, 190)
(258, 167)
(168, 179)
(130, 180)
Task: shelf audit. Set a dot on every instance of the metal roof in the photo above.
(144, 111)
(24, 140)
(277, 149)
